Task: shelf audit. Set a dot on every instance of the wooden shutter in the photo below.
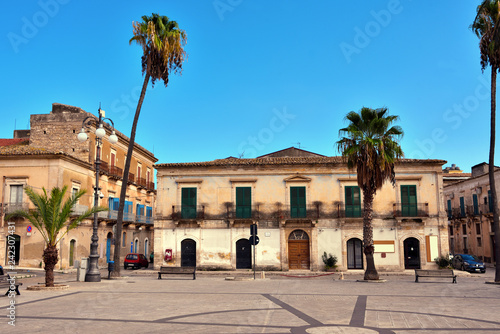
(243, 202)
(298, 202)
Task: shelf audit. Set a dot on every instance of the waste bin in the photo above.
(82, 270)
(111, 267)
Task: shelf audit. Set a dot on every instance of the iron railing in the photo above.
(410, 210)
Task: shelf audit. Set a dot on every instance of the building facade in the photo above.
(50, 155)
(470, 214)
(304, 205)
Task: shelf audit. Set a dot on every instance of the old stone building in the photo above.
(470, 214)
(49, 155)
(304, 205)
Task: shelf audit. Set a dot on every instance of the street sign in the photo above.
(251, 239)
(28, 229)
(253, 229)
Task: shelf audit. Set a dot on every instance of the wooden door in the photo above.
(298, 254)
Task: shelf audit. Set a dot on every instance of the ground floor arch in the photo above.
(354, 254)
(411, 248)
(188, 253)
(298, 250)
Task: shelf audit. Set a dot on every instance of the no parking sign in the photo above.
(28, 230)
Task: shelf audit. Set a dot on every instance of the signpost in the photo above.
(254, 240)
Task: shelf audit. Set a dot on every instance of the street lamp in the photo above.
(93, 274)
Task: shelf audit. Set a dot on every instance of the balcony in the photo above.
(79, 209)
(150, 185)
(13, 207)
(141, 182)
(410, 210)
(115, 172)
(288, 212)
(349, 211)
(131, 178)
(140, 219)
(188, 212)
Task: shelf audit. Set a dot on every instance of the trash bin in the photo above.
(111, 267)
(81, 270)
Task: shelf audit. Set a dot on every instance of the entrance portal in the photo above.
(412, 253)
(243, 254)
(298, 250)
(354, 254)
(188, 253)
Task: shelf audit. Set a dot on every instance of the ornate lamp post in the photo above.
(93, 274)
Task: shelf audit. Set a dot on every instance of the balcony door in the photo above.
(188, 202)
(409, 201)
(298, 202)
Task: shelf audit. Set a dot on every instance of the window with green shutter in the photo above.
(462, 207)
(188, 204)
(449, 208)
(475, 204)
(298, 202)
(490, 202)
(243, 202)
(409, 201)
(352, 201)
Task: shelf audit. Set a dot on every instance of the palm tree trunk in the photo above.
(126, 169)
(491, 172)
(50, 260)
(370, 272)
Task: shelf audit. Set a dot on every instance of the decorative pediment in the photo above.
(298, 178)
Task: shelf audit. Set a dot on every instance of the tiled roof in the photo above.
(15, 141)
(280, 161)
(25, 150)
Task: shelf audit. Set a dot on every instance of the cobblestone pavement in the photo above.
(140, 303)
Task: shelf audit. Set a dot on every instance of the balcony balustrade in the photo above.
(14, 206)
(410, 210)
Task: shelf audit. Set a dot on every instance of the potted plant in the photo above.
(330, 261)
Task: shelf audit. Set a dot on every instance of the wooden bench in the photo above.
(5, 283)
(441, 273)
(177, 271)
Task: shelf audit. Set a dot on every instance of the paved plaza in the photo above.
(140, 303)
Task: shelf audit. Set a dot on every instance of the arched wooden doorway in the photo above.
(354, 254)
(243, 254)
(298, 250)
(412, 253)
(188, 253)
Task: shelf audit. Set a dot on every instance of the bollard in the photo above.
(263, 275)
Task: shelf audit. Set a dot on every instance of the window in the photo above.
(298, 202)
(124, 239)
(462, 207)
(148, 176)
(112, 158)
(188, 203)
(409, 201)
(113, 203)
(464, 229)
(149, 211)
(479, 242)
(16, 194)
(449, 208)
(478, 229)
(243, 202)
(140, 209)
(139, 170)
(475, 204)
(352, 201)
(451, 230)
(490, 202)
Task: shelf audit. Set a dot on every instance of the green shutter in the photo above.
(243, 202)
(352, 201)
(298, 202)
(409, 201)
(490, 202)
(475, 204)
(449, 209)
(462, 207)
(188, 210)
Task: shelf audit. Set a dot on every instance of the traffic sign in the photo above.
(251, 239)
(28, 229)
(253, 229)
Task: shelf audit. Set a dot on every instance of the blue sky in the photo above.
(261, 75)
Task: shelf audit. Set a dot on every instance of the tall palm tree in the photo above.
(162, 44)
(50, 216)
(370, 145)
(486, 27)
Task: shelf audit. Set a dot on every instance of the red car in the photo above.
(135, 261)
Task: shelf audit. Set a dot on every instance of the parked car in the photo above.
(135, 261)
(1, 270)
(467, 262)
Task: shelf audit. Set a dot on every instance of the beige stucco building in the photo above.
(470, 214)
(49, 155)
(304, 204)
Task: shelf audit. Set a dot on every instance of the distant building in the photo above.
(49, 155)
(305, 204)
(470, 214)
(454, 174)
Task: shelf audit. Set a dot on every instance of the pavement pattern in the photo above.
(140, 303)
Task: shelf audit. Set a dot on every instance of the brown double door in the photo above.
(298, 254)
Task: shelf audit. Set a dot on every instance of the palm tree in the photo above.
(162, 44)
(50, 216)
(371, 146)
(485, 26)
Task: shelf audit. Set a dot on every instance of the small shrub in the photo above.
(442, 261)
(329, 260)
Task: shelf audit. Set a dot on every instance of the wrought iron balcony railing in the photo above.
(13, 207)
(410, 210)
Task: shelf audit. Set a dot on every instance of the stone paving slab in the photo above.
(140, 303)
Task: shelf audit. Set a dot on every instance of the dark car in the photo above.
(135, 261)
(1, 270)
(467, 262)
